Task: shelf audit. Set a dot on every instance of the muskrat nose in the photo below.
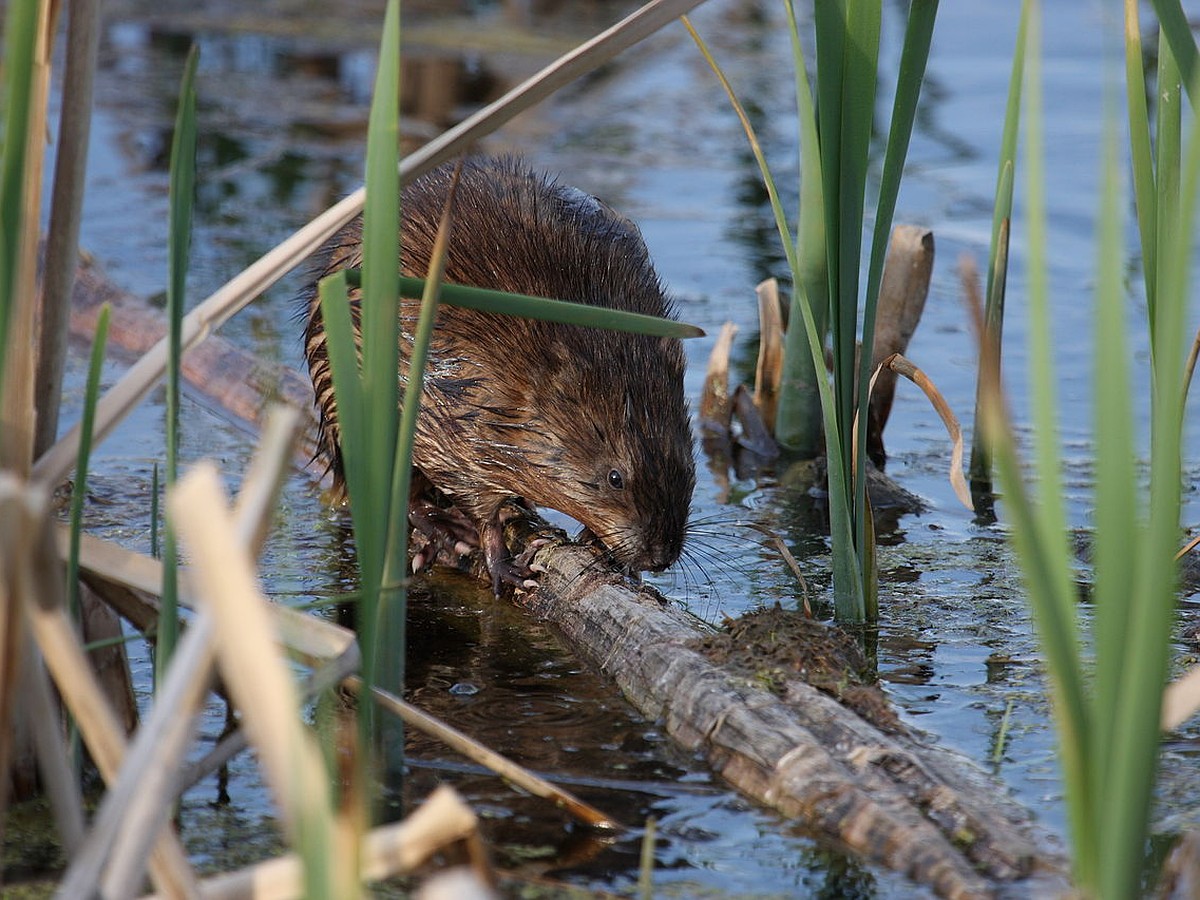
(661, 557)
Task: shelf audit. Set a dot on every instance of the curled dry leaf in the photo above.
(903, 366)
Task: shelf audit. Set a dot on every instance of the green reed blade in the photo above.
(1168, 130)
(79, 488)
(381, 224)
(181, 199)
(366, 387)
(20, 37)
(390, 624)
(846, 568)
(1178, 32)
(980, 467)
(1117, 527)
(548, 310)
(859, 79)
(1008, 162)
(334, 297)
(913, 59)
(1146, 651)
(1140, 149)
(798, 420)
(1048, 561)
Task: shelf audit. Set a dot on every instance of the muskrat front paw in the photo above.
(449, 534)
(503, 568)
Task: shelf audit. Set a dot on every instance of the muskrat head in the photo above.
(619, 457)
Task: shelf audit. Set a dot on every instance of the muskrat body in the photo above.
(589, 422)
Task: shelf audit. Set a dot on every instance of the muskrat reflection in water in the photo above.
(592, 423)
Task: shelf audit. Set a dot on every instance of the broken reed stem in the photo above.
(768, 374)
(34, 570)
(139, 805)
(390, 850)
(17, 410)
(66, 203)
(58, 774)
(257, 676)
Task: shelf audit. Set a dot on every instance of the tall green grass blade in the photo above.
(859, 78)
(1178, 32)
(798, 421)
(380, 337)
(838, 28)
(913, 58)
(336, 318)
(1168, 119)
(847, 573)
(182, 192)
(1140, 149)
(1116, 512)
(548, 310)
(1146, 652)
(1008, 160)
(1040, 533)
(20, 37)
(980, 468)
(79, 488)
(381, 224)
(365, 384)
(390, 624)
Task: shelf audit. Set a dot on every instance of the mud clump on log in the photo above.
(775, 646)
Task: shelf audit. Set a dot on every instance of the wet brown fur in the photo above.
(536, 410)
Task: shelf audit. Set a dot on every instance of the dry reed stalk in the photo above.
(1181, 699)
(390, 850)
(223, 575)
(62, 237)
(55, 464)
(12, 634)
(33, 574)
(137, 807)
(902, 292)
(768, 374)
(58, 775)
(17, 410)
(455, 884)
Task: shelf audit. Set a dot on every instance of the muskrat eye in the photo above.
(615, 481)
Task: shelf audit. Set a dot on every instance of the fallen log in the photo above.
(871, 787)
(881, 792)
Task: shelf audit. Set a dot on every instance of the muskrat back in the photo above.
(589, 422)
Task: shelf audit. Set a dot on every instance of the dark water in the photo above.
(282, 117)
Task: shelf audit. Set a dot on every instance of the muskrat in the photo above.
(592, 423)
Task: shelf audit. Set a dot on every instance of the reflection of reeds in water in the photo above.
(234, 627)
